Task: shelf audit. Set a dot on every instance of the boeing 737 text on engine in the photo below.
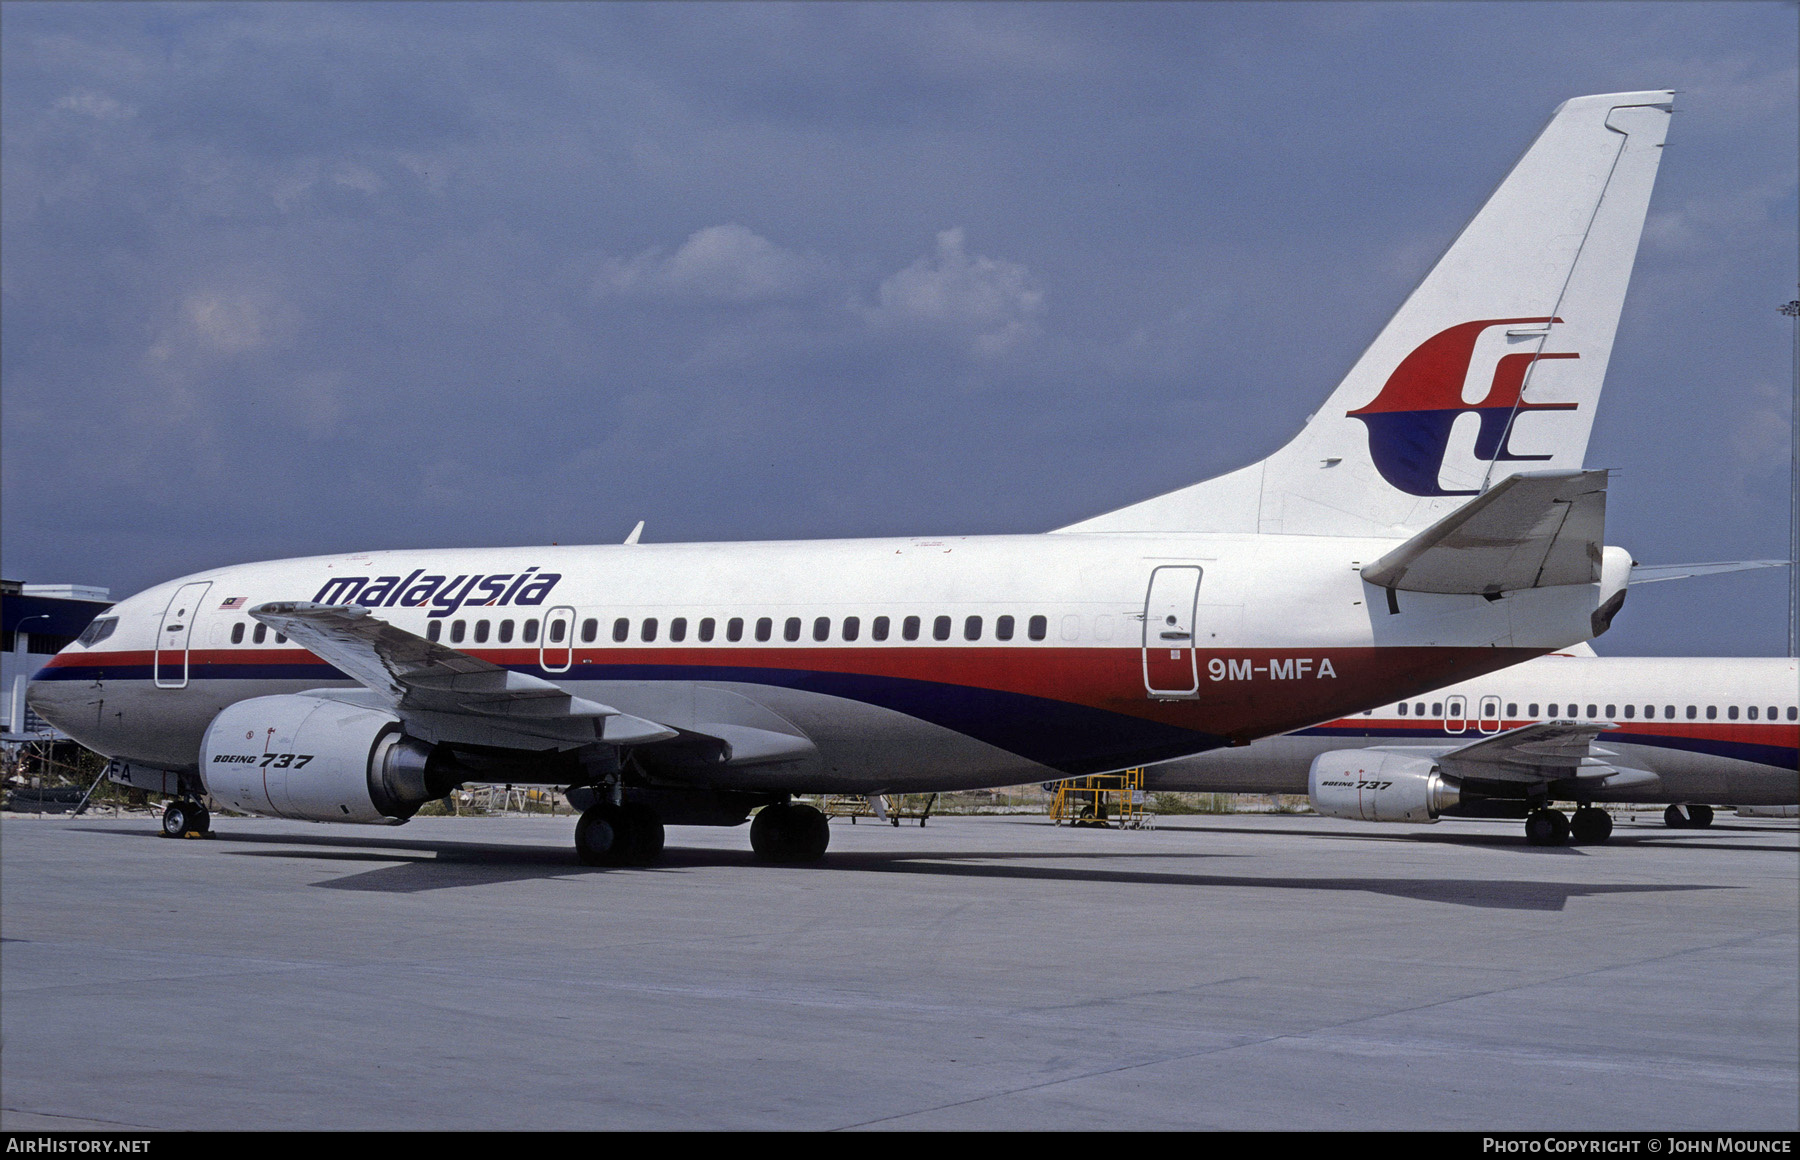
(1391, 547)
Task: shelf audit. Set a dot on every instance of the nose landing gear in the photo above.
(186, 819)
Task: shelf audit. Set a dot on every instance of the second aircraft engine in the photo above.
(318, 760)
(1373, 785)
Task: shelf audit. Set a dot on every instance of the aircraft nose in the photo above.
(54, 700)
(69, 697)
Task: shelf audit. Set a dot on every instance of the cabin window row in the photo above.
(482, 632)
(259, 633)
(1612, 713)
(707, 629)
(820, 628)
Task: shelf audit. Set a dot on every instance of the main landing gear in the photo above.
(1590, 826)
(785, 832)
(1548, 827)
(631, 834)
(627, 835)
(1688, 816)
(186, 819)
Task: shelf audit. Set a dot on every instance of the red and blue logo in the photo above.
(1409, 422)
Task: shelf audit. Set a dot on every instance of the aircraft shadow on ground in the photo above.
(408, 866)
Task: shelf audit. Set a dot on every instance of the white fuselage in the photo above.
(909, 663)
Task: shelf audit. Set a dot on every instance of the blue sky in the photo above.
(287, 279)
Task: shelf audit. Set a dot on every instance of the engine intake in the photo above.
(317, 760)
(1373, 785)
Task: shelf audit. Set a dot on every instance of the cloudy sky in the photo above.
(288, 279)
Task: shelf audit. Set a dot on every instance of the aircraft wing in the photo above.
(1541, 751)
(444, 695)
(1534, 529)
(420, 679)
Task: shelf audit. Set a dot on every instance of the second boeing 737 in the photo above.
(1578, 728)
(1433, 521)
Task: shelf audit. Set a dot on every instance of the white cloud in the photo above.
(727, 263)
(209, 325)
(988, 298)
(96, 105)
(227, 324)
(358, 177)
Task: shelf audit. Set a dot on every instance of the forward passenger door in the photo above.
(174, 634)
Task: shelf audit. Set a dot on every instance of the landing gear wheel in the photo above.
(181, 818)
(1688, 816)
(767, 833)
(609, 835)
(639, 836)
(789, 833)
(1546, 827)
(1590, 825)
(596, 834)
(811, 834)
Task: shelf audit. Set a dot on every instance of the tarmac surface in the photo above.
(1243, 971)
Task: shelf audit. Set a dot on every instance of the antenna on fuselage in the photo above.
(635, 533)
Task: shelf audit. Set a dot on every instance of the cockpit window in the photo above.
(98, 631)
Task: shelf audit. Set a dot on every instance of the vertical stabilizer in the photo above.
(1493, 366)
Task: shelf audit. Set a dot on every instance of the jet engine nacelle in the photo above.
(1370, 785)
(317, 760)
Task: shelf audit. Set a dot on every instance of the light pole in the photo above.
(1792, 310)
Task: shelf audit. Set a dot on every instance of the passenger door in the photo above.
(1171, 668)
(556, 648)
(174, 634)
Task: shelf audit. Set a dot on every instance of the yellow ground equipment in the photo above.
(892, 807)
(1103, 799)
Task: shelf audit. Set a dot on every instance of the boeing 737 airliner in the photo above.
(1568, 727)
(1431, 522)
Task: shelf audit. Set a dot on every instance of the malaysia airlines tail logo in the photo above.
(1409, 422)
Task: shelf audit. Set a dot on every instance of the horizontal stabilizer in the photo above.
(1531, 530)
(1652, 573)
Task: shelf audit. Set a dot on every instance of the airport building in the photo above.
(39, 620)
